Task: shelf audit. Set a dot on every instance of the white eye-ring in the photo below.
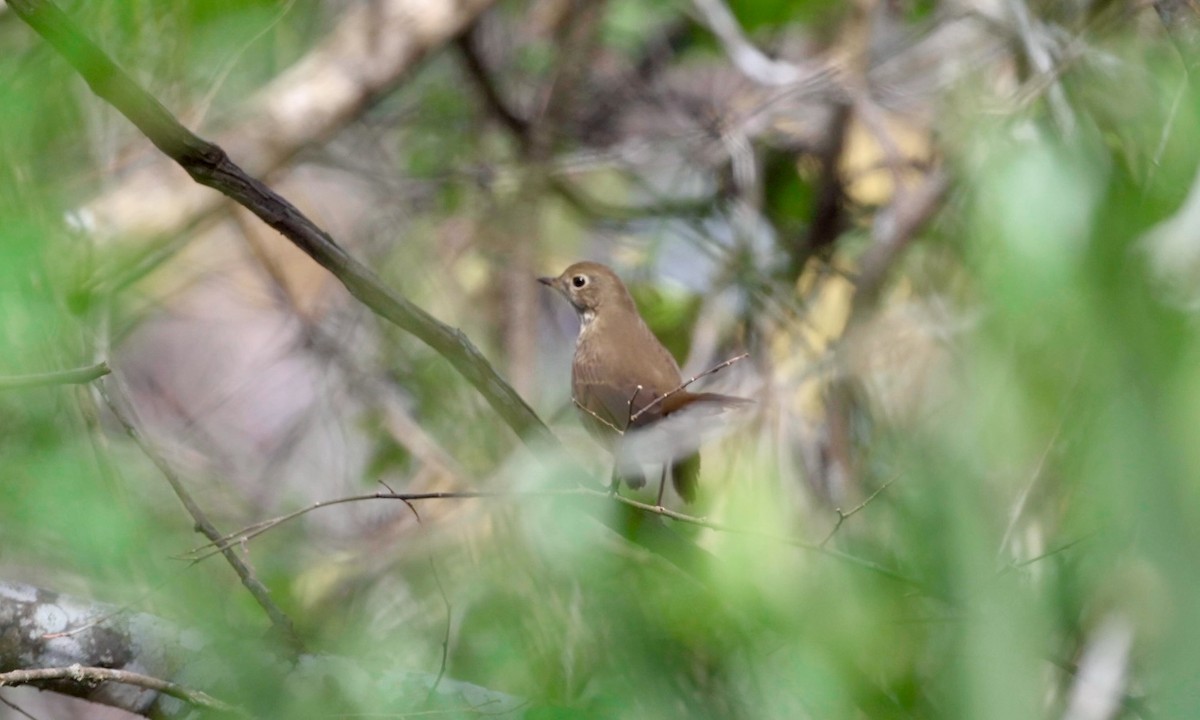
(579, 281)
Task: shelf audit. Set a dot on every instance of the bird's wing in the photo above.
(614, 404)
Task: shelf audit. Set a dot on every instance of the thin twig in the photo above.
(629, 409)
(1051, 553)
(279, 619)
(437, 579)
(77, 376)
(16, 708)
(252, 531)
(589, 411)
(843, 515)
(92, 675)
(659, 400)
(220, 544)
(783, 539)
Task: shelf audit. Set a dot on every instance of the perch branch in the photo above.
(683, 386)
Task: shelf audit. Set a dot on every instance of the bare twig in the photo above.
(252, 531)
(437, 579)
(222, 543)
(94, 675)
(1051, 553)
(629, 410)
(78, 376)
(842, 516)
(683, 386)
(722, 527)
(589, 411)
(279, 619)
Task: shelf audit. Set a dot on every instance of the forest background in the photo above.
(959, 241)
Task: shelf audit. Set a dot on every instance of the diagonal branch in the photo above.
(684, 385)
(281, 622)
(208, 164)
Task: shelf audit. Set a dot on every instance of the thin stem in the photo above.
(77, 376)
(843, 515)
(659, 400)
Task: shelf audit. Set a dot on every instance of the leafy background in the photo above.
(973, 495)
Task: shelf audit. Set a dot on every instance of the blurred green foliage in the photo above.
(1050, 495)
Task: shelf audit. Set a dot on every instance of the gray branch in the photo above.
(43, 634)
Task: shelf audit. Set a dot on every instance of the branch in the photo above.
(253, 531)
(78, 376)
(33, 621)
(224, 542)
(279, 620)
(91, 676)
(722, 527)
(683, 386)
(145, 645)
(843, 515)
(208, 164)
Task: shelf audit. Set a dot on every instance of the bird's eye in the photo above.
(579, 281)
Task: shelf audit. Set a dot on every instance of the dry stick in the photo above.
(629, 414)
(722, 527)
(209, 165)
(220, 544)
(90, 675)
(658, 400)
(205, 551)
(279, 620)
(77, 376)
(591, 412)
(843, 515)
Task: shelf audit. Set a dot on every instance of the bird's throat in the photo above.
(587, 320)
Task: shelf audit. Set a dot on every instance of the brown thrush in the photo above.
(623, 379)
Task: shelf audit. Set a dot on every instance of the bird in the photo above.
(623, 380)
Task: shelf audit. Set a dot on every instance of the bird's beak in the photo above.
(547, 281)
